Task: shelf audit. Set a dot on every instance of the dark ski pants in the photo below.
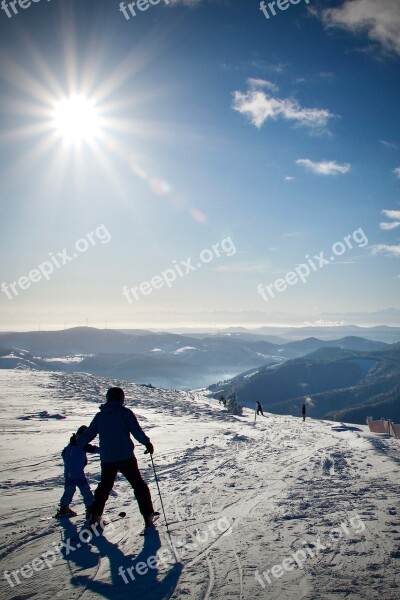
(70, 489)
(260, 412)
(130, 470)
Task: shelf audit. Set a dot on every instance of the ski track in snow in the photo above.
(253, 494)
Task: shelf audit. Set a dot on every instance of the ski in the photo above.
(58, 518)
(98, 527)
(106, 522)
(121, 515)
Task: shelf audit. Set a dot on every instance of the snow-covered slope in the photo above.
(279, 509)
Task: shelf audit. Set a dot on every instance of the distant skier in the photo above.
(224, 401)
(303, 412)
(75, 461)
(114, 424)
(221, 399)
(260, 409)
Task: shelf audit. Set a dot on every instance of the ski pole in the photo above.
(162, 506)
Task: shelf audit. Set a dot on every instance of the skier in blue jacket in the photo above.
(114, 424)
(75, 461)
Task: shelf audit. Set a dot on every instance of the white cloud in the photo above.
(387, 226)
(262, 83)
(388, 250)
(397, 172)
(329, 167)
(260, 106)
(391, 214)
(379, 19)
(289, 178)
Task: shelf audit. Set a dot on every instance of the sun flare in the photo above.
(76, 119)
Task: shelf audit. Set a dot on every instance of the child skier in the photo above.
(303, 412)
(260, 409)
(75, 461)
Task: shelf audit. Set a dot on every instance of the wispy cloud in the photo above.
(380, 20)
(397, 172)
(262, 83)
(329, 167)
(268, 66)
(260, 106)
(258, 64)
(327, 75)
(345, 262)
(289, 178)
(388, 144)
(385, 249)
(391, 214)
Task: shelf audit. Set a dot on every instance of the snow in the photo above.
(250, 375)
(75, 358)
(184, 349)
(242, 499)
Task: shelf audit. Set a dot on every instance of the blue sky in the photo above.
(213, 123)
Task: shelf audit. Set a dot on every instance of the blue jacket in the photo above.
(114, 424)
(75, 459)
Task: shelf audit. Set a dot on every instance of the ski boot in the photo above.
(149, 519)
(149, 522)
(96, 523)
(65, 511)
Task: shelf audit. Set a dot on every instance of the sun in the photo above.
(76, 119)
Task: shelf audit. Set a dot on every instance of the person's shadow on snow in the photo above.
(75, 550)
(129, 577)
